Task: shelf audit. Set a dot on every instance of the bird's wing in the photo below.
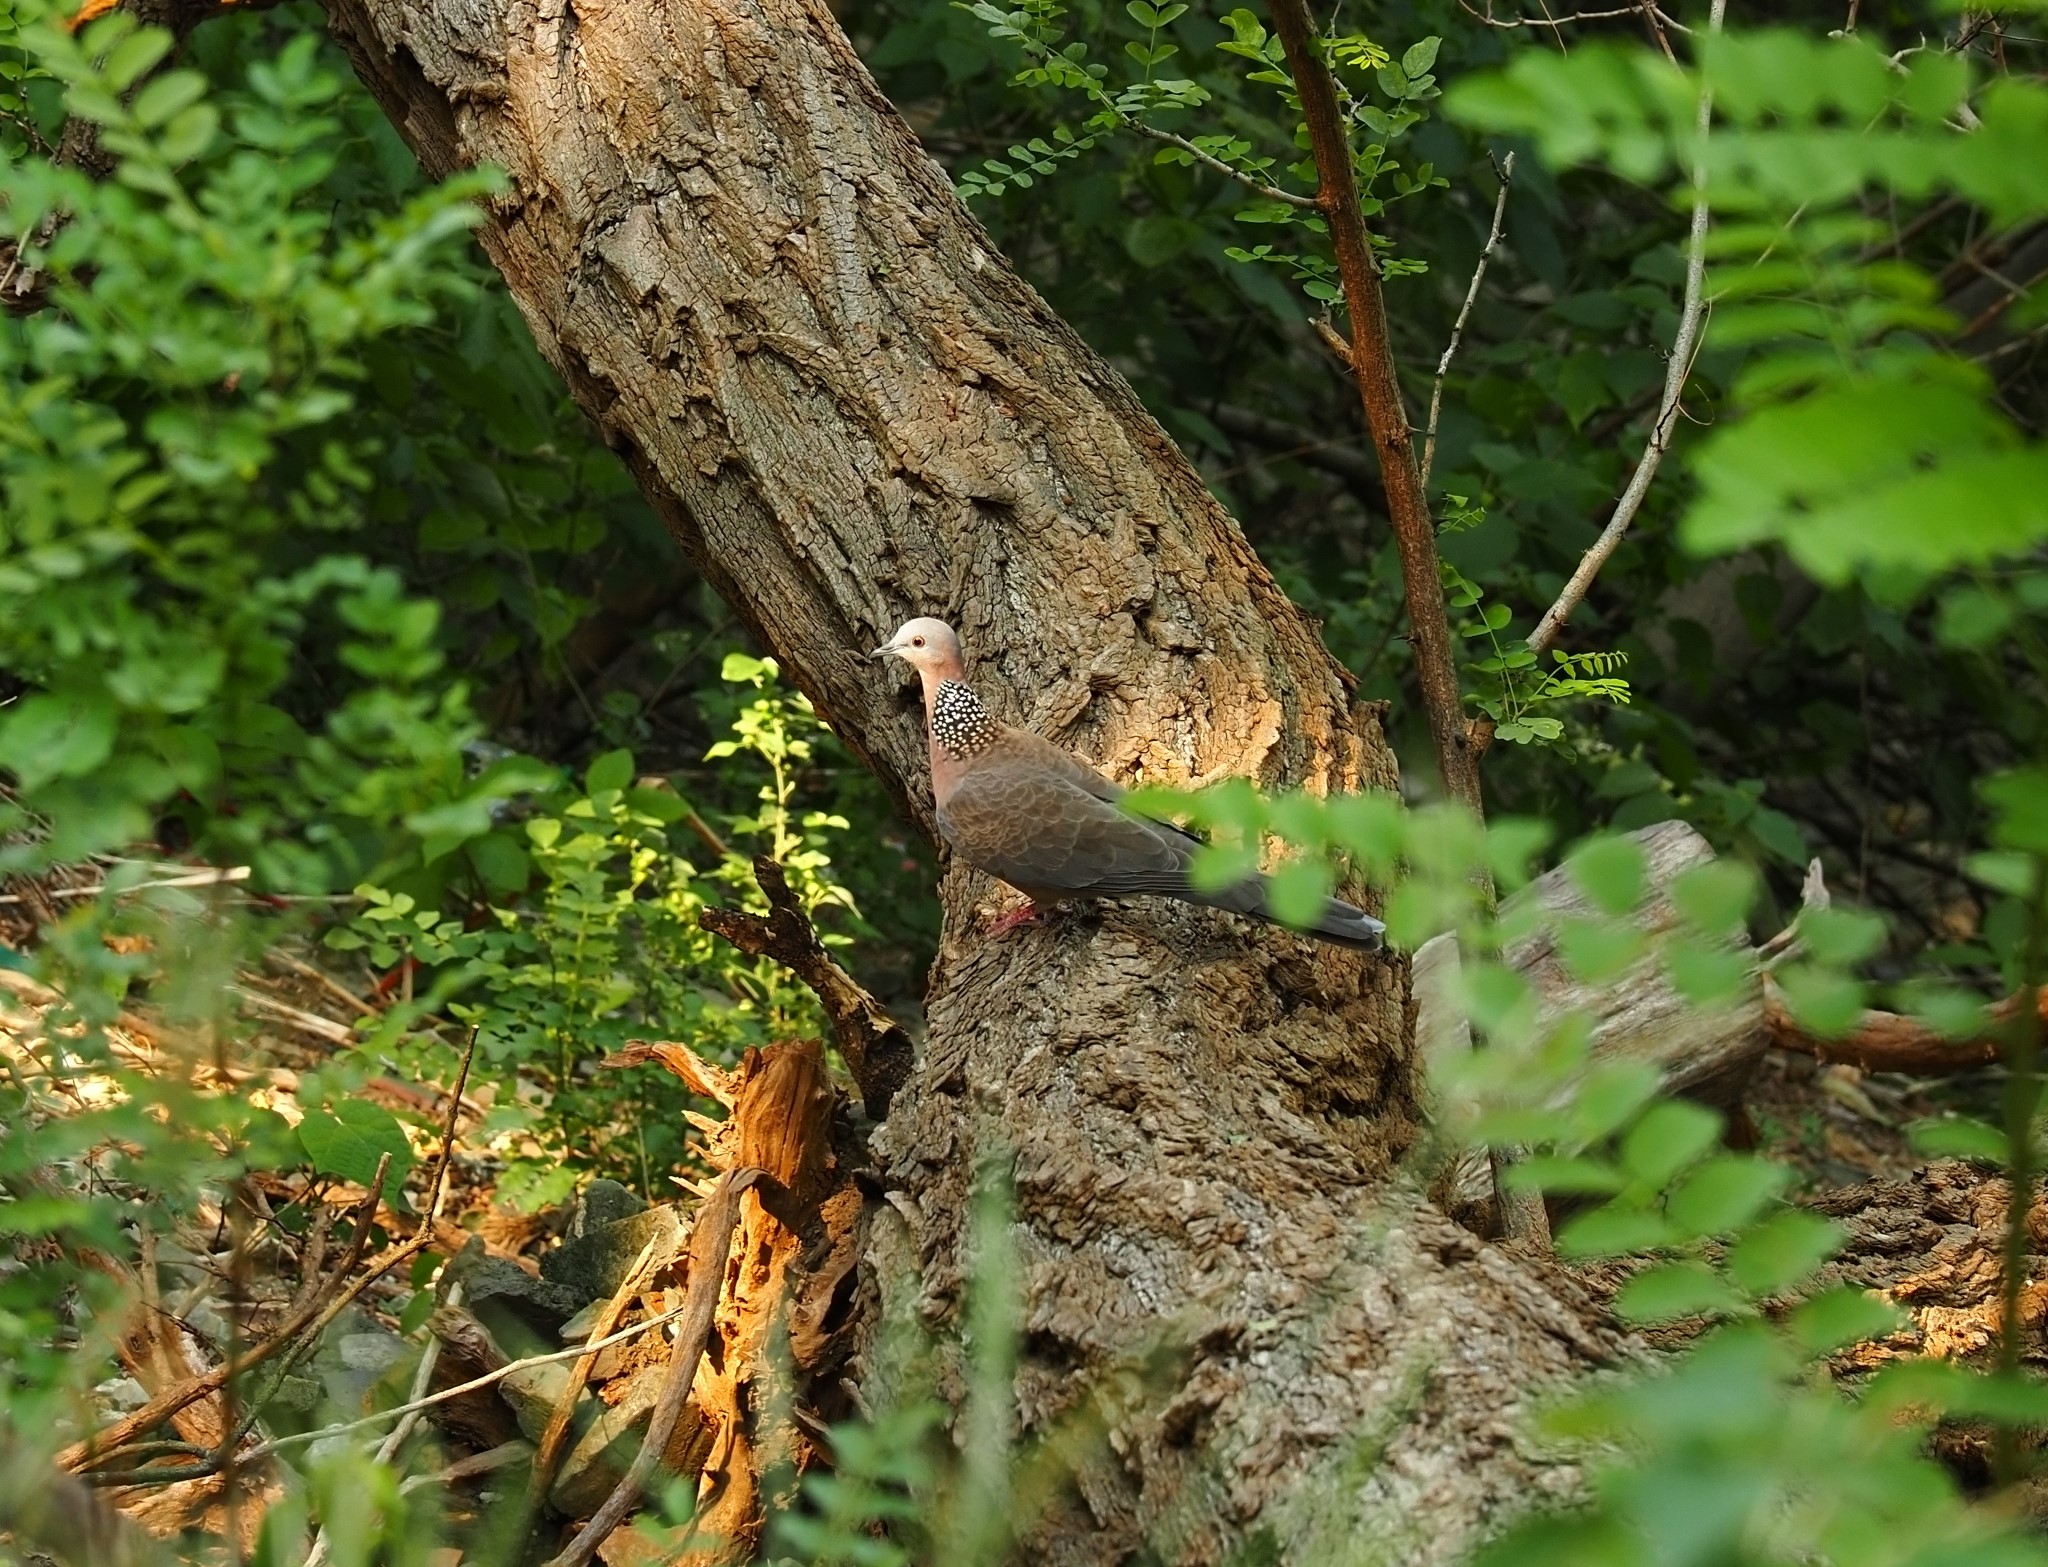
(1025, 811)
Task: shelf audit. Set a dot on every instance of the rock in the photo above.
(606, 1450)
(602, 1203)
(376, 1353)
(594, 1265)
(533, 1392)
(523, 1313)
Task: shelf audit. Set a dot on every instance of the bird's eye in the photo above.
(917, 641)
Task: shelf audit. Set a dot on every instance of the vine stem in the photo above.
(1379, 390)
(1684, 349)
(1443, 365)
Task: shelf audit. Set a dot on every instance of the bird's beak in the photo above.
(883, 651)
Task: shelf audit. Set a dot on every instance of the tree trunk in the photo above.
(849, 410)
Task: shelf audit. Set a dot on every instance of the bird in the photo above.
(1015, 805)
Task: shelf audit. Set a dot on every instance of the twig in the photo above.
(212, 876)
(1553, 23)
(54, 1513)
(556, 1436)
(400, 1411)
(323, 979)
(503, 1456)
(1683, 349)
(710, 1244)
(1270, 192)
(877, 1050)
(309, 1321)
(1506, 171)
(422, 1379)
(305, 1022)
(1295, 442)
(159, 1409)
(1379, 391)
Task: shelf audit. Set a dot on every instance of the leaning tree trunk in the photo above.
(849, 409)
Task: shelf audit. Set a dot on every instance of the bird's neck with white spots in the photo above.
(960, 726)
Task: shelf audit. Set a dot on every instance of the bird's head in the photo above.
(927, 646)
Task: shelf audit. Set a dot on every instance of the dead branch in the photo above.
(555, 1437)
(1889, 1042)
(111, 1438)
(1683, 349)
(56, 1514)
(710, 1242)
(304, 1324)
(1443, 365)
(876, 1049)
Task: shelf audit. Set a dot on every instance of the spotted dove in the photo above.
(1020, 808)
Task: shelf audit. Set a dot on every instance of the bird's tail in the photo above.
(1342, 923)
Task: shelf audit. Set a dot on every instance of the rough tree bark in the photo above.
(849, 409)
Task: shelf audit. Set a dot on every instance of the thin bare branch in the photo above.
(1506, 171)
(1379, 391)
(307, 1322)
(1553, 23)
(877, 1050)
(423, 1378)
(555, 1437)
(1248, 181)
(710, 1244)
(413, 1406)
(1683, 349)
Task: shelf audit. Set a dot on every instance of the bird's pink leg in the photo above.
(1029, 914)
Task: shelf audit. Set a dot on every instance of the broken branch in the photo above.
(876, 1049)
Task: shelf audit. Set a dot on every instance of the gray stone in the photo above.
(606, 1449)
(524, 1314)
(533, 1392)
(594, 1265)
(604, 1202)
(372, 1352)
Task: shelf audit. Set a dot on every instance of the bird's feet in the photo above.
(1027, 914)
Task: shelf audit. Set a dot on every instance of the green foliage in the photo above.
(592, 939)
(173, 435)
(1863, 446)
(1284, 182)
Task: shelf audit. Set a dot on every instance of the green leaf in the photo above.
(1674, 1290)
(1550, 1173)
(1782, 1251)
(1841, 1317)
(611, 772)
(1960, 1137)
(1724, 1194)
(1827, 1003)
(1596, 951)
(2019, 802)
(1610, 872)
(500, 863)
(1672, 1134)
(1298, 891)
(1972, 618)
(1715, 898)
(1841, 936)
(348, 1141)
(45, 736)
(168, 95)
(1709, 976)
(1612, 1231)
(1419, 57)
